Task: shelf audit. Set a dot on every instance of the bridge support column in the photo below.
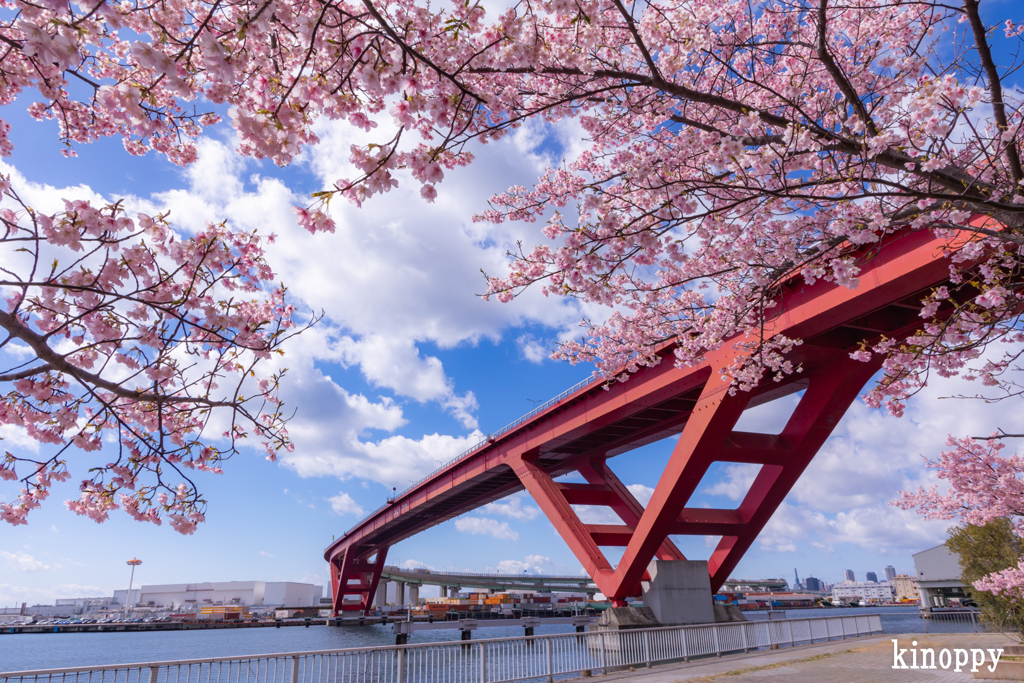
(400, 594)
(444, 591)
(414, 595)
(355, 574)
(381, 598)
(679, 592)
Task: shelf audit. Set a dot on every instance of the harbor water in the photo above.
(55, 650)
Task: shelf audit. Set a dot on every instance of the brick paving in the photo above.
(864, 660)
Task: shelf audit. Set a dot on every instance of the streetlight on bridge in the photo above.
(134, 562)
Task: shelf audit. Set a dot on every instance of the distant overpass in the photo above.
(580, 583)
(540, 583)
(755, 585)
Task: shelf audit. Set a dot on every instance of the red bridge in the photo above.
(586, 427)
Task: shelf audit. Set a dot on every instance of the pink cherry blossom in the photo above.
(130, 334)
(982, 485)
(727, 148)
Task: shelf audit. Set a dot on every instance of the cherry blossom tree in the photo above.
(127, 338)
(730, 145)
(982, 486)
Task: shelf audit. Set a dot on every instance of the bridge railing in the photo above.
(490, 437)
(496, 660)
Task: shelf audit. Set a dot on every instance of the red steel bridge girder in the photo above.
(355, 573)
(584, 430)
(707, 438)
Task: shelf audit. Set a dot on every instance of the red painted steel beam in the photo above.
(548, 496)
(624, 503)
(716, 412)
(353, 575)
(817, 414)
(829, 317)
(586, 494)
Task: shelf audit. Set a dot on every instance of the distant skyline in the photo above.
(407, 369)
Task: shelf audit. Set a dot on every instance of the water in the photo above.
(22, 652)
(55, 650)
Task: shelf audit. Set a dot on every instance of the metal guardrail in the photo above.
(488, 439)
(497, 660)
(954, 621)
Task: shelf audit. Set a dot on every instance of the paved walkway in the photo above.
(861, 660)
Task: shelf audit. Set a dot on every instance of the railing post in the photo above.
(714, 633)
(743, 630)
(792, 636)
(400, 673)
(551, 661)
(295, 670)
(604, 655)
(686, 646)
(974, 620)
(483, 662)
(842, 627)
(153, 671)
(647, 648)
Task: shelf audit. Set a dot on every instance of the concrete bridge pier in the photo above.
(381, 598)
(400, 593)
(679, 592)
(414, 595)
(444, 591)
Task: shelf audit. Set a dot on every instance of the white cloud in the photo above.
(512, 567)
(396, 273)
(735, 482)
(514, 506)
(641, 493)
(22, 562)
(396, 364)
(601, 514)
(531, 564)
(11, 594)
(342, 504)
(486, 527)
(876, 528)
(416, 564)
(15, 435)
(264, 553)
(532, 349)
(768, 418)
(596, 514)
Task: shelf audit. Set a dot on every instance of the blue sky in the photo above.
(407, 369)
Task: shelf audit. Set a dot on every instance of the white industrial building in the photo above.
(249, 593)
(863, 591)
(938, 578)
